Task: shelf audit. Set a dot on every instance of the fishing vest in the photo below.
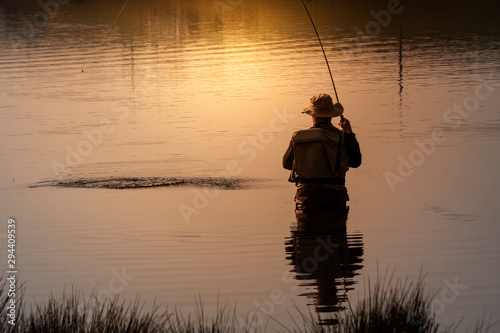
(319, 153)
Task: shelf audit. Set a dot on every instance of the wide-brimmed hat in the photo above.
(322, 106)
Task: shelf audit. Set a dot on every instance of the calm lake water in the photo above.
(211, 90)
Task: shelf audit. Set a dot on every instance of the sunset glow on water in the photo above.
(190, 91)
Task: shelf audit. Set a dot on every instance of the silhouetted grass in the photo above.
(400, 307)
(403, 307)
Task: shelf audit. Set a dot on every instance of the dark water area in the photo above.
(145, 141)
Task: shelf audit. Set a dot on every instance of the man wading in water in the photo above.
(320, 156)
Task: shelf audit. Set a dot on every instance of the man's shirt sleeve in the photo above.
(353, 151)
(288, 157)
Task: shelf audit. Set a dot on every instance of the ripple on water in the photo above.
(145, 182)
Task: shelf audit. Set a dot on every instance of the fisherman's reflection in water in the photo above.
(324, 257)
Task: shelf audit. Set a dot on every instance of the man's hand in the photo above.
(345, 125)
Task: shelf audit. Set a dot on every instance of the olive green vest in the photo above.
(319, 153)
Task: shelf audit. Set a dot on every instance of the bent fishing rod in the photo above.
(324, 54)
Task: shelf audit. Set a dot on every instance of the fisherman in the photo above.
(320, 156)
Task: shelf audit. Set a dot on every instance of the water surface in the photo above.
(181, 90)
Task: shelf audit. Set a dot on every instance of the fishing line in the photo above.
(112, 24)
(322, 49)
(110, 27)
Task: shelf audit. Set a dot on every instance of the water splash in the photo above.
(146, 182)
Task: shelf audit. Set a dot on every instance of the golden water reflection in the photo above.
(325, 259)
(195, 88)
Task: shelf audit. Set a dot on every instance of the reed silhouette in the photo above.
(405, 308)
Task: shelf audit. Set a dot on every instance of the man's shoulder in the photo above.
(327, 127)
(307, 135)
(316, 133)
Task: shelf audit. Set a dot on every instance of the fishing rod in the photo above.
(324, 54)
